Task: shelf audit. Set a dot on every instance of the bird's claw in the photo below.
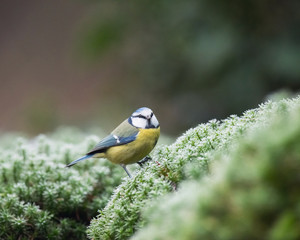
(144, 160)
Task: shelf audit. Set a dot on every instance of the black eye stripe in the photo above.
(139, 116)
(142, 116)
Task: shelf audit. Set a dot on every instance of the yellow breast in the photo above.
(136, 150)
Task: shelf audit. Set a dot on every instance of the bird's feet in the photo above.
(144, 160)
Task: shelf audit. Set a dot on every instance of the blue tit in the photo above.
(130, 142)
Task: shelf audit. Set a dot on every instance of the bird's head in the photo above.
(143, 118)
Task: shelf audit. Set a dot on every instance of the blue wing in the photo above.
(111, 141)
(123, 134)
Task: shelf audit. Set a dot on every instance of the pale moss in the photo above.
(40, 197)
(190, 157)
(251, 193)
(33, 172)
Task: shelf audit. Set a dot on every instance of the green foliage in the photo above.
(190, 157)
(252, 192)
(40, 198)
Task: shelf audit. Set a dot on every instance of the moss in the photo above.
(219, 180)
(40, 198)
(191, 157)
(251, 193)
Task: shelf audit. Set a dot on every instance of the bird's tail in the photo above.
(80, 159)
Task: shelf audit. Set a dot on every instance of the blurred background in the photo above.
(92, 63)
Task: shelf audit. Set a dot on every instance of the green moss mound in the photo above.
(191, 157)
(252, 193)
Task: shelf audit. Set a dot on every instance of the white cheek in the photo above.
(139, 122)
(154, 121)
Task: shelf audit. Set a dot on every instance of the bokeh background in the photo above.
(91, 63)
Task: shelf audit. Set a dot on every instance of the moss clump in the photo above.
(190, 157)
(252, 192)
(40, 198)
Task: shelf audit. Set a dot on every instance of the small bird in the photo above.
(130, 142)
